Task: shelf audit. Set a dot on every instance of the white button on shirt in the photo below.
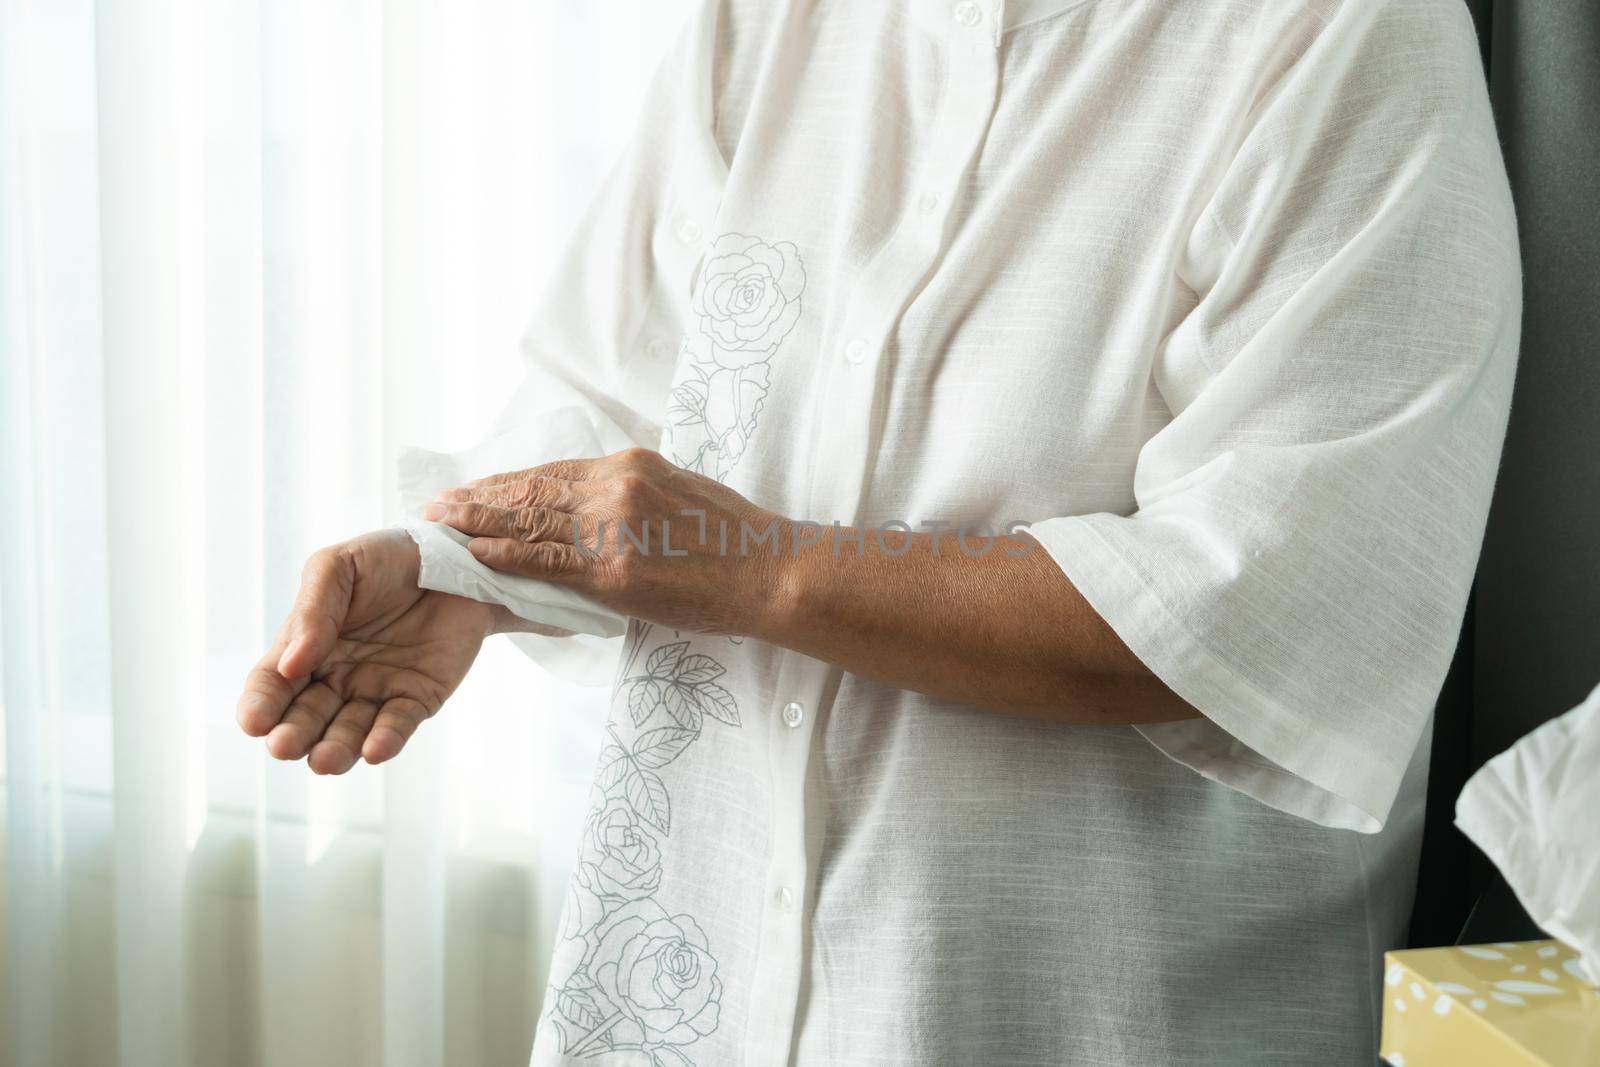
(1224, 305)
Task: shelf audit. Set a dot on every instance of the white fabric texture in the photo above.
(1532, 809)
(1223, 299)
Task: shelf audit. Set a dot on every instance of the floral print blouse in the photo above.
(1220, 299)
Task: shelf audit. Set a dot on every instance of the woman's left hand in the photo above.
(632, 531)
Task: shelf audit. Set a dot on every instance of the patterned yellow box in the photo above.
(1505, 1005)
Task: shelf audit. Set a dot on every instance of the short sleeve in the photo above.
(1308, 523)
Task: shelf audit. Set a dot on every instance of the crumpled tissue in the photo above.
(447, 566)
(1535, 811)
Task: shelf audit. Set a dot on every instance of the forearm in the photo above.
(1004, 630)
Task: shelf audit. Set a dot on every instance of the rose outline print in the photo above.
(747, 301)
(641, 984)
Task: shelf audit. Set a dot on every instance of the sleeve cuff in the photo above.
(1247, 740)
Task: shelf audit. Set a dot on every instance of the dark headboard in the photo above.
(1530, 648)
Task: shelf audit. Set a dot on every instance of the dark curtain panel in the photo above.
(1531, 645)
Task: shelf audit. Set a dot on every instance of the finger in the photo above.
(319, 610)
(303, 724)
(572, 470)
(266, 694)
(396, 721)
(550, 560)
(521, 524)
(557, 494)
(491, 520)
(340, 746)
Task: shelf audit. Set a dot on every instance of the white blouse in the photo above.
(1221, 298)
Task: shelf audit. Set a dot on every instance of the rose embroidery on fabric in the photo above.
(714, 411)
(622, 860)
(584, 908)
(749, 297)
(747, 302)
(640, 983)
(656, 970)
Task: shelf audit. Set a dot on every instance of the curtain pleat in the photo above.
(1528, 650)
(152, 297)
(248, 248)
(1535, 647)
(414, 885)
(33, 796)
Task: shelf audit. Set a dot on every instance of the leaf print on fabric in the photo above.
(577, 1002)
(693, 670)
(644, 698)
(664, 659)
(684, 685)
(746, 302)
(640, 984)
(648, 795)
(717, 702)
(661, 746)
(630, 773)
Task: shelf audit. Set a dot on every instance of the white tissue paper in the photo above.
(1535, 811)
(577, 627)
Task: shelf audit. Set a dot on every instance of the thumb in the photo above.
(319, 612)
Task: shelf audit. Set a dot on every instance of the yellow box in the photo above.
(1505, 1005)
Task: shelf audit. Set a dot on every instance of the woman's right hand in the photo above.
(363, 658)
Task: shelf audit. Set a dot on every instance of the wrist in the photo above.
(786, 584)
(500, 621)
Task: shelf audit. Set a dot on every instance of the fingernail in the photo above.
(433, 512)
(289, 653)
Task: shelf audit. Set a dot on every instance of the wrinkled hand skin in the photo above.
(363, 659)
(564, 522)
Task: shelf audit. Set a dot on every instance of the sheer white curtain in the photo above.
(247, 249)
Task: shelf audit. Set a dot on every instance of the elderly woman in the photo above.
(1044, 451)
